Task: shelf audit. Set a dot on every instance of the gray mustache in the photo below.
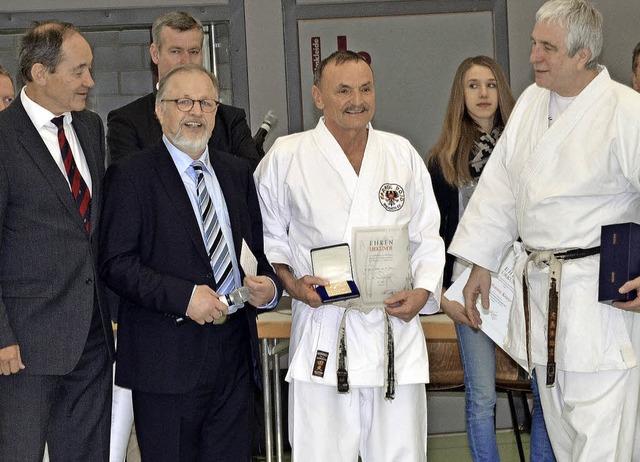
(362, 107)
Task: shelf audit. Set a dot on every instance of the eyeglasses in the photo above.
(186, 104)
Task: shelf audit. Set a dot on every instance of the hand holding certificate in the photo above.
(381, 262)
(495, 320)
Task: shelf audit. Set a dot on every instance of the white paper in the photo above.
(121, 423)
(381, 262)
(495, 320)
(248, 260)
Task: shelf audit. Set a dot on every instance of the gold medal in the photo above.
(338, 288)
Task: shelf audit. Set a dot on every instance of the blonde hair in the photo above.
(452, 151)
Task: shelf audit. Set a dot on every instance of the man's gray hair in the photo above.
(176, 20)
(582, 21)
(337, 57)
(184, 68)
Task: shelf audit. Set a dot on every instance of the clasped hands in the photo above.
(205, 305)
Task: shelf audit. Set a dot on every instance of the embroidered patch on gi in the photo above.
(391, 196)
(320, 363)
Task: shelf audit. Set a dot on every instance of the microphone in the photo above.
(268, 123)
(235, 298)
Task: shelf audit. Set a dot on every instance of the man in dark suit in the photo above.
(192, 383)
(56, 340)
(177, 39)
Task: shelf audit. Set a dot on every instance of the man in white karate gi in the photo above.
(315, 187)
(567, 163)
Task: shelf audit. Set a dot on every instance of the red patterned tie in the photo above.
(79, 188)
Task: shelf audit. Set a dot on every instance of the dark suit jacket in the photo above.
(449, 205)
(48, 265)
(152, 254)
(135, 127)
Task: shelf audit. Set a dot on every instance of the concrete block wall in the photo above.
(122, 66)
(9, 49)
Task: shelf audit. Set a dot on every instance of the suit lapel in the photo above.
(34, 147)
(177, 194)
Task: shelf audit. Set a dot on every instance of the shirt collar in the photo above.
(40, 116)
(183, 161)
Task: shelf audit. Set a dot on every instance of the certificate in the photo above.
(495, 320)
(382, 262)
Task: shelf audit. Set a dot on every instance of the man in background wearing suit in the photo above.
(177, 39)
(56, 340)
(179, 218)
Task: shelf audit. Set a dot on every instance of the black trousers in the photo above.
(212, 422)
(71, 413)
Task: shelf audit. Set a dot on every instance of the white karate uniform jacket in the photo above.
(555, 187)
(311, 197)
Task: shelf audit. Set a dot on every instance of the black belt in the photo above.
(552, 315)
(573, 254)
(577, 253)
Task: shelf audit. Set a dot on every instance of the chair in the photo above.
(446, 373)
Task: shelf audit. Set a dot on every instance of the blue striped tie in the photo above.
(214, 239)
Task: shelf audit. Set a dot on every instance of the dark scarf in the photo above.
(482, 149)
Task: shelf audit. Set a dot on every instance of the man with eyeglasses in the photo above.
(7, 91)
(177, 39)
(181, 221)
